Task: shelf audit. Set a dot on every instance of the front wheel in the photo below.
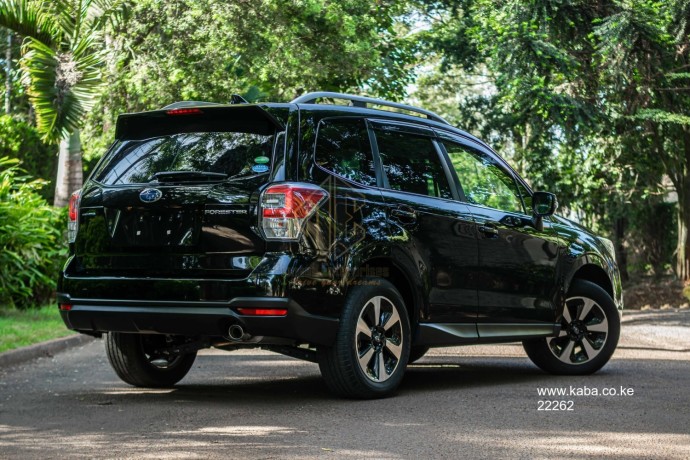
(590, 328)
(371, 350)
(141, 359)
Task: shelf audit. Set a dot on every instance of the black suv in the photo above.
(352, 236)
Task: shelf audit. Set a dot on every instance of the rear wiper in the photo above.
(187, 176)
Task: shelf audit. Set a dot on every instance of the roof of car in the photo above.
(323, 101)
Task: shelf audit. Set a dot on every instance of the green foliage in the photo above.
(32, 238)
(19, 102)
(21, 141)
(62, 56)
(661, 116)
(262, 50)
(654, 228)
(589, 102)
(28, 19)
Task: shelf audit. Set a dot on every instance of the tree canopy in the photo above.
(587, 98)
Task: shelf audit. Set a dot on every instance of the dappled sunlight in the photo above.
(290, 442)
(11, 436)
(261, 440)
(355, 453)
(634, 353)
(601, 444)
(235, 430)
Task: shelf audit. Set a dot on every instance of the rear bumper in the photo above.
(211, 319)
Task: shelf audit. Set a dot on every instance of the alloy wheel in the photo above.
(584, 330)
(379, 339)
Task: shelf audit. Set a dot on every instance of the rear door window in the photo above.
(343, 147)
(233, 154)
(412, 163)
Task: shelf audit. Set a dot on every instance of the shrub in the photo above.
(32, 238)
(20, 140)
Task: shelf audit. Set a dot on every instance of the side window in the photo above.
(482, 180)
(343, 147)
(412, 164)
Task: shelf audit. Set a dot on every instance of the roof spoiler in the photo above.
(194, 118)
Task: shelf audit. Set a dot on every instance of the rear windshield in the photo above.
(234, 154)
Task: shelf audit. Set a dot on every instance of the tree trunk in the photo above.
(683, 247)
(8, 77)
(620, 226)
(69, 171)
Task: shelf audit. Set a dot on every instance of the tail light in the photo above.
(73, 223)
(286, 207)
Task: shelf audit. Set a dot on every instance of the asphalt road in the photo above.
(471, 402)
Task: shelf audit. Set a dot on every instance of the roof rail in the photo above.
(362, 101)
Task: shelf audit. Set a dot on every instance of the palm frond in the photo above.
(39, 65)
(113, 12)
(63, 13)
(68, 15)
(62, 59)
(62, 86)
(30, 20)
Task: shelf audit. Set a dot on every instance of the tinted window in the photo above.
(482, 180)
(412, 164)
(234, 154)
(342, 146)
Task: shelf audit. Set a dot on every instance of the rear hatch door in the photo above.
(172, 196)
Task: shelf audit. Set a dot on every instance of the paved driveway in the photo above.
(476, 402)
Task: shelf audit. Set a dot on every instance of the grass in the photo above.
(19, 328)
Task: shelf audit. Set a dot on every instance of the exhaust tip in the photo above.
(236, 333)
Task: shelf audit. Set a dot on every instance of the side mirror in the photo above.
(544, 204)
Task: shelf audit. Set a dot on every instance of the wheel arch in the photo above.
(404, 282)
(594, 274)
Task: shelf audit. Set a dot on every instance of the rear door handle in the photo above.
(489, 230)
(404, 215)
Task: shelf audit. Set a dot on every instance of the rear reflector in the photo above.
(184, 112)
(263, 311)
(65, 307)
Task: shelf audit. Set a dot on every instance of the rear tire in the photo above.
(131, 357)
(590, 328)
(371, 350)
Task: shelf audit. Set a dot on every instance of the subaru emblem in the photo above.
(150, 195)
